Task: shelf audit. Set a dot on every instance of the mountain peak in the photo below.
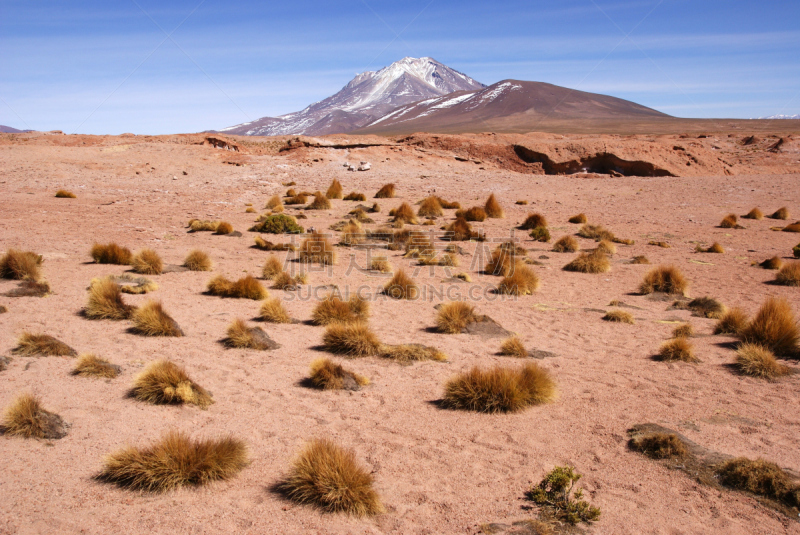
(366, 97)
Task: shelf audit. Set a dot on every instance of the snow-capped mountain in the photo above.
(367, 97)
(782, 117)
(507, 104)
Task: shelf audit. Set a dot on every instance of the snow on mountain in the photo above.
(367, 97)
(782, 117)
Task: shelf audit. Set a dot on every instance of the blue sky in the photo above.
(110, 67)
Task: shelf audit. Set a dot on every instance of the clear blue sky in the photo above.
(108, 67)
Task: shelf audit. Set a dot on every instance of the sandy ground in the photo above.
(438, 471)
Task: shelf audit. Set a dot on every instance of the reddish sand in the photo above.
(438, 471)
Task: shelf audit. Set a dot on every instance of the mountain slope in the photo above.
(8, 130)
(367, 97)
(509, 102)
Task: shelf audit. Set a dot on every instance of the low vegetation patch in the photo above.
(151, 319)
(197, 260)
(593, 262)
(607, 247)
(500, 389)
(522, 280)
(243, 337)
(493, 208)
(533, 221)
(641, 259)
(64, 194)
(758, 361)
(20, 265)
(677, 349)
(713, 248)
(334, 190)
(272, 267)
(579, 219)
(513, 347)
(317, 249)
(105, 301)
(353, 339)
(789, 275)
(566, 244)
(164, 382)
(334, 309)
(408, 353)
(111, 253)
(401, 287)
(380, 264)
(772, 263)
(26, 418)
(732, 322)
(555, 493)
(706, 307)
(247, 287)
(666, 279)
(273, 311)
(759, 477)
(278, 224)
(320, 202)
(147, 262)
(660, 446)
(619, 316)
(93, 366)
(430, 207)
(730, 221)
(386, 192)
(755, 213)
(780, 213)
(176, 460)
(454, 316)
(774, 327)
(329, 477)
(355, 196)
(404, 213)
(328, 375)
(540, 234)
(684, 330)
(794, 227)
(29, 345)
(661, 244)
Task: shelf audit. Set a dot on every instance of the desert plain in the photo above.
(436, 470)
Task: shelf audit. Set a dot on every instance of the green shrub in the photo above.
(555, 492)
(278, 224)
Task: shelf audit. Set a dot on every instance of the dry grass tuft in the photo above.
(223, 228)
(273, 202)
(29, 344)
(684, 330)
(641, 259)
(333, 309)
(759, 477)
(147, 262)
(430, 207)
(607, 247)
(380, 264)
(789, 275)
(772, 263)
(794, 227)
(352, 233)
(579, 219)
(105, 301)
(296, 199)
(408, 353)
(758, 361)
(317, 249)
(243, 337)
(522, 280)
(401, 287)
(730, 221)
(386, 192)
(595, 232)
(320, 202)
(774, 327)
(20, 265)
(619, 316)
(540, 234)
(111, 254)
(566, 244)
(780, 213)
(355, 196)
(513, 347)
(476, 213)
(247, 287)
(92, 366)
(284, 281)
(464, 277)
(501, 262)
(714, 248)
(291, 192)
(453, 317)
(64, 194)
(733, 321)
(493, 208)
(500, 389)
(660, 446)
(152, 320)
(273, 311)
(328, 375)
(334, 190)
(404, 213)
(706, 307)
(521, 202)
(272, 267)
(27, 418)
(460, 230)
(755, 213)
(533, 221)
(661, 244)
(277, 224)
(175, 461)
(594, 262)
(796, 251)
(677, 349)
(202, 225)
(354, 339)
(328, 476)
(197, 260)
(449, 205)
(164, 382)
(666, 279)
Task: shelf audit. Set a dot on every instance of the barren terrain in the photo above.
(437, 470)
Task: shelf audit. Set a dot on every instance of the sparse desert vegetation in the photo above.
(26, 418)
(660, 446)
(111, 253)
(401, 286)
(151, 319)
(20, 265)
(31, 344)
(513, 347)
(65, 194)
(243, 337)
(175, 460)
(453, 317)
(317, 249)
(334, 309)
(619, 316)
(351, 339)
(500, 389)
(387, 191)
(105, 301)
(773, 327)
(273, 311)
(197, 260)
(493, 208)
(593, 262)
(248, 287)
(164, 382)
(757, 361)
(147, 262)
(555, 492)
(566, 244)
(666, 279)
(677, 349)
(328, 375)
(90, 365)
(789, 274)
(780, 213)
